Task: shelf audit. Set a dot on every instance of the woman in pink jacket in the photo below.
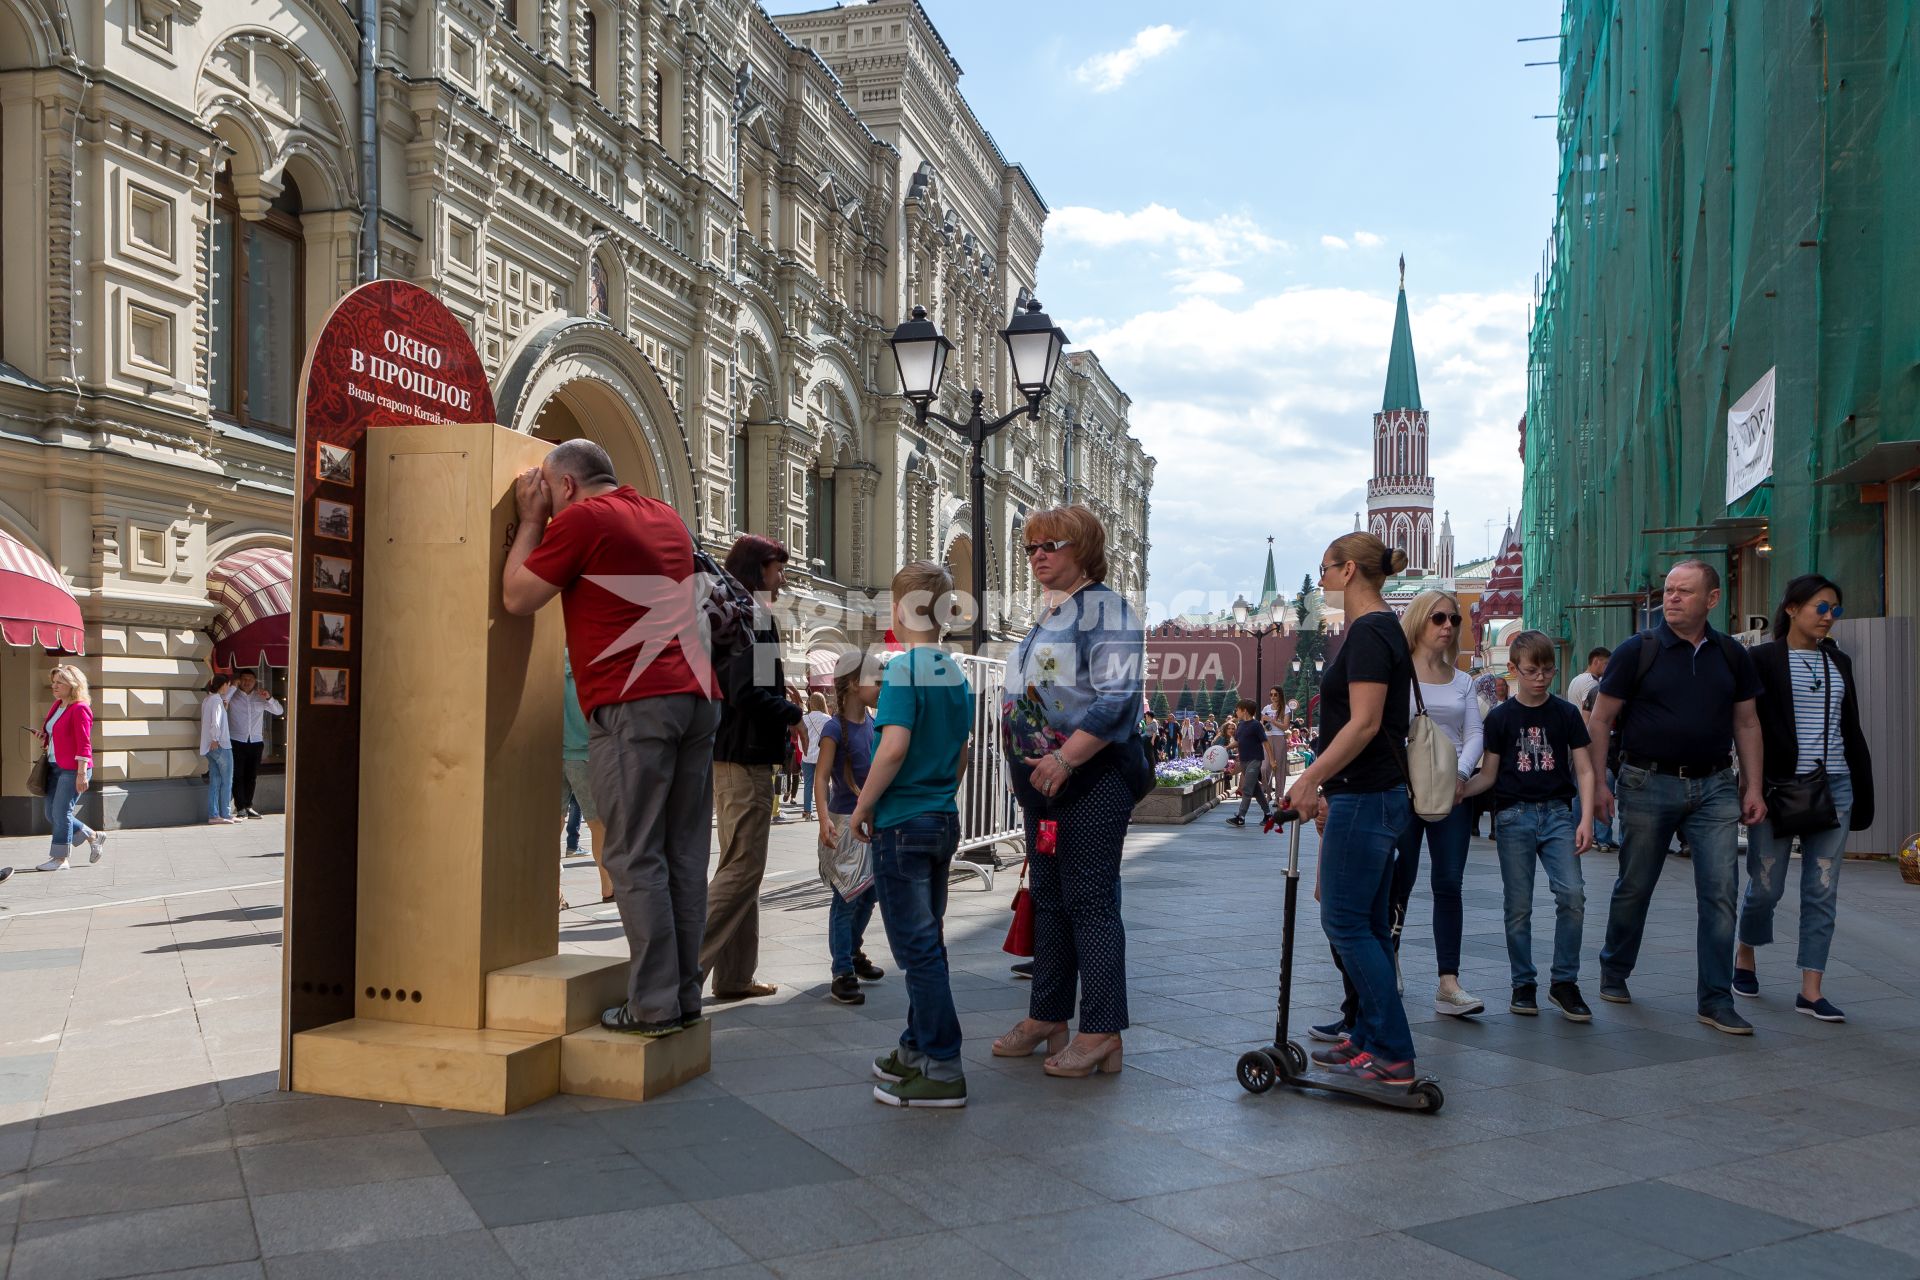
(67, 734)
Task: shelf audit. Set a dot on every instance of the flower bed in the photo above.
(1178, 773)
(1183, 790)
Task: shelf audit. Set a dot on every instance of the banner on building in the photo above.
(389, 354)
(1750, 439)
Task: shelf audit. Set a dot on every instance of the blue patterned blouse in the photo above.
(1079, 668)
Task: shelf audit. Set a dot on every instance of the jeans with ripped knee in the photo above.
(1820, 857)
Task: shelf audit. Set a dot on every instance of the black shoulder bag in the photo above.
(1803, 806)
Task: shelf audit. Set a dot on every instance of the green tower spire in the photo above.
(1403, 380)
(1270, 587)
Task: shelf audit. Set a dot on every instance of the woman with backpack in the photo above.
(1819, 786)
(845, 750)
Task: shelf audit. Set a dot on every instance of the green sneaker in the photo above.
(921, 1091)
(891, 1069)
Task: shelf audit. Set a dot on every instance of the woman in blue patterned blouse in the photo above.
(1070, 714)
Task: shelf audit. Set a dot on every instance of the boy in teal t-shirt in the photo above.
(907, 809)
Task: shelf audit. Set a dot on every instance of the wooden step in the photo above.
(555, 995)
(495, 1072)
(608, 1064)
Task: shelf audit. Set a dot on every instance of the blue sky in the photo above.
(1230, 185)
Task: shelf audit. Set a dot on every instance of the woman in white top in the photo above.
(216, 745)
(813, 722)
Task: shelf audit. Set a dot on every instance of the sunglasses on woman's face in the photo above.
(1057, 544)
(1451, 619)
(1826, 609)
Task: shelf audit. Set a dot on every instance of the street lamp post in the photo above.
(1260, 632)
(920, 353)
(1313, 689)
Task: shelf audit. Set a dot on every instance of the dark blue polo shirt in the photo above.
(1682, 713)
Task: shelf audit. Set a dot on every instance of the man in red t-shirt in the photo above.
(622, 565)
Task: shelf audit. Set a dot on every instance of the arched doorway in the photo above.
(959, 562)
(592, 409)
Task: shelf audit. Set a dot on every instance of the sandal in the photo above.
(1077, 1060)
(1025, 1038)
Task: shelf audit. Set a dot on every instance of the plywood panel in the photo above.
(426, 497)
(556, 995)
(607, 1064)
(495, 1072)
(1883, 652)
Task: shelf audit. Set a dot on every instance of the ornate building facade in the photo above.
(1400, 494)
(678, 227)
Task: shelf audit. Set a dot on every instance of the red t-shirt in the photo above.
(624, 566)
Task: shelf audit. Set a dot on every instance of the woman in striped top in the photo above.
(1809, 720)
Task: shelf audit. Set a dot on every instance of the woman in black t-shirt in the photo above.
(1360, 769)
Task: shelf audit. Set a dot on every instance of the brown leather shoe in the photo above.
(748, 992)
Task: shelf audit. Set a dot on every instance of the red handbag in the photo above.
(1020, 933)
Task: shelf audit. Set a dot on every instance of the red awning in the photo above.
(36, 608)
(821, 665)
(254, 592)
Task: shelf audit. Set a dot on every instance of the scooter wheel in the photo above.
(1296, 1059)
(1430, 1094)
(1256, 1072)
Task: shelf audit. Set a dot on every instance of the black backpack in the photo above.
(1649, 650)
(727, 609)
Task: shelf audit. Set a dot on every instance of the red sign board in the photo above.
(389, 354)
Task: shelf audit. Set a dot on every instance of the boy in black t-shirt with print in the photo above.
(1542, 783)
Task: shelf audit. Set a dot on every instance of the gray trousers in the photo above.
(1253, 786)
(652, 769)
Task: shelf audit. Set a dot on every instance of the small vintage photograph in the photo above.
(333, 519)
(332, 630)
(329, 687)
(332, 463)
(333, 575)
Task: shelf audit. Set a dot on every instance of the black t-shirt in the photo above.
(1535, 746)
(1374, 652)
(1251, 737)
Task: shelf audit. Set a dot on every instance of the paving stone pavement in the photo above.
(141, 1131)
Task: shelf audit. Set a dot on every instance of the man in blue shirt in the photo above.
(1686, 706)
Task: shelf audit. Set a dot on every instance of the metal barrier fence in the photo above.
(988, 813)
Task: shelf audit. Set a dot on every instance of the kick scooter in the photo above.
(1285, 1062)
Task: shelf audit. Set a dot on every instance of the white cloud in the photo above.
(1206, 281)
(1212, 243)
(1333, 242)
(1367, 240)
(1105, 72)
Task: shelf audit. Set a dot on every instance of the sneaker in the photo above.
(1023, 970)
(5, 873)
(922, 1091)
(252, 812)
(1525, 1000)
(54, 864)
(846, 989)
(1457, 1003)
(1335, 1055)
(1726, 1020)
(890, 1068)
(96, 845)
(1236, 821)
(620, 1019)
(1367, 1069)
(1566, 998)
(691, 1020)
(1746, 983)
(1329, 1032)
(1823, 1009)
(1614, 991)
(865, 969)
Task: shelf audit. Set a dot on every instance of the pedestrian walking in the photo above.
(1581, 692)
(67, 736)
(1360, 763)
(1687, 694)
(1820, 786)
(1256, 761)
(907, 809)
(811, 724)
(756, 727)
(1542, 779)
(1068, 704)
(646, 691)
(247, 710)
(216, 748)
(845, 757)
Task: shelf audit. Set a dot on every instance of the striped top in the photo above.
(1817, 690)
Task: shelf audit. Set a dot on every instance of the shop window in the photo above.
(255, 309)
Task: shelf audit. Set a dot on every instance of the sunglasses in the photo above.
(1057, 544)
(1451, 619)
(1829, 610)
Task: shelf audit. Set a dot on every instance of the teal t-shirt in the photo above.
(925, 692)
(573, 723)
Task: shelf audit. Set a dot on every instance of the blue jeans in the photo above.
(573, 818)
(1820, 857)
(1447, 840)
(1706, 813)
(220, 783)
(1543, 830)
(1602, 829)
(62, 797)
(1356, 888)
(910, 865)
(846, 925)
(806, 789)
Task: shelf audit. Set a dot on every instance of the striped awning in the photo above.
(36, 608)
(822, 664)
(254, 594)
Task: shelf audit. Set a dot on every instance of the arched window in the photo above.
(1402, 469)
(820, 524)
(255, 309)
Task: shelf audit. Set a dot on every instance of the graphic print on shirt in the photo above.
(1532, 752)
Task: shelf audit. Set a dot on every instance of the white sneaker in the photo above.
(96, 845)
(54, 864)
(1457, 1004)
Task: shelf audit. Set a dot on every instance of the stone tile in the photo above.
(1518, 1169)
(1130, 1165)
(1828, 1185)
(777, 1075)
(1536, 1242)
(743, 1166)
(968, 1194)
(231, 1271)
(1252, 1218)
(463, 1255)
(672, 1122)
(1397, 1195)
(497, 1144)
(1387, 1254)
(292, 1117)
(336, 1162)
(1636, 1149)
(1828, 1256)
(946, 1255)
(515, 1194)
(127, 1244)
(885, 1147)
(656, 1241)
(1109, 1241)
(342, 1217)
(122, 1186)
(1899, 1231)
(1699, 1226)
(813, 1219)
(165, 1133)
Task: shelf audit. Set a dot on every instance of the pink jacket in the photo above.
(72, 736)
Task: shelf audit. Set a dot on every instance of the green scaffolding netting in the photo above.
(1739, 183)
